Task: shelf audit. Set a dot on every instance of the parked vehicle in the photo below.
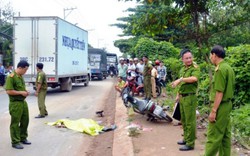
(145, 107)
(135, 84)
(98, 63)
(61, 46)
(112, 63)
(159, 86)
(135, 87)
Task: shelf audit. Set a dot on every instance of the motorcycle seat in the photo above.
(142, 105)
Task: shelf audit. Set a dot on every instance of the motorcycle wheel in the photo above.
(166, 117)
(158, 90)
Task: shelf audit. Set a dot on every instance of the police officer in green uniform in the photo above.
(18, 107)
(147, 78)
(219, 127)
(186, 96)
(41, 90)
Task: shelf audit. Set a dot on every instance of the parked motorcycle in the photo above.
(145, 107)
(135, 88)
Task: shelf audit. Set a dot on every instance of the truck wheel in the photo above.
(69, 85)
(66, 85)
(86, 83)
(100, 77)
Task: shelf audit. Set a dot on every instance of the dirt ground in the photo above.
(153, 139)
(160, 138)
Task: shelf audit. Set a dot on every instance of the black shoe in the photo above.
(46, 114)
(40, 116)
(17, 146)
(182, 142)
(26, 142)
(186, 148)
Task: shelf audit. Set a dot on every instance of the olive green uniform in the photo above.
(41, 79)
(147, 80)
(18, 109)
(219, 132)
(188, 103)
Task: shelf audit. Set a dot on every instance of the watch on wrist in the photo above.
(181, 79)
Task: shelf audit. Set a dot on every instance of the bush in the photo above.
(239, 58)
(240, 125)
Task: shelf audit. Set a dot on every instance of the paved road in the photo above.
(81, 102)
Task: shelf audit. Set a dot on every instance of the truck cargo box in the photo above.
(61, 46)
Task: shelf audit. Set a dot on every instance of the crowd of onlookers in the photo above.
(133, 69)
(4, 71)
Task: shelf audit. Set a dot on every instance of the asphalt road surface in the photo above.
(81, 102)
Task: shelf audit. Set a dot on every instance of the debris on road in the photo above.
(100, 113)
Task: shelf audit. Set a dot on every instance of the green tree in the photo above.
(6, 33)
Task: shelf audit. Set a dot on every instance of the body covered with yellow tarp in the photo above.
(88, 126)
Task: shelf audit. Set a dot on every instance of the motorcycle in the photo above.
(111, 73)
(158, 85)
(135, 88)
(150, 108)
(133, 85)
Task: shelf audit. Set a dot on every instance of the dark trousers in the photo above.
(2, 79)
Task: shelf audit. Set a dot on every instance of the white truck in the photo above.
(61, 46)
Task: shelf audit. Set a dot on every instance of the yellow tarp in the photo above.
(88, 126)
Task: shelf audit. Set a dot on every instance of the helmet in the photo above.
(157, 62)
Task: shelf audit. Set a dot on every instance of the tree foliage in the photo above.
(239, 58)
(6, 33)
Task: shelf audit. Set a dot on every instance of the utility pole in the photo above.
(67, 9)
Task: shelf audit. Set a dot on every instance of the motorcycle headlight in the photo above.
(125, 96)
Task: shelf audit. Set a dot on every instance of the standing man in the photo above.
(219, 127)
(41, 90)
(154, 75)
(122, 69)
(140, 66)
(18, 107)
(147, 78)
(162, 71)
(186, 96)
(2, 75)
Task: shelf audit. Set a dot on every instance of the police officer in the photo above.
(219, 127)
(18, 108)
(186, 96)
(147, 78)
(41, 90)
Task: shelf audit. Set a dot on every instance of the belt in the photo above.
(188, 94)
(17, 100)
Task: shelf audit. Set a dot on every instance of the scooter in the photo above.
(150, 108)
(111, 73)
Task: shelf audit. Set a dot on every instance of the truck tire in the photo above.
(100, 77)
(86, 83)
(66, 84)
